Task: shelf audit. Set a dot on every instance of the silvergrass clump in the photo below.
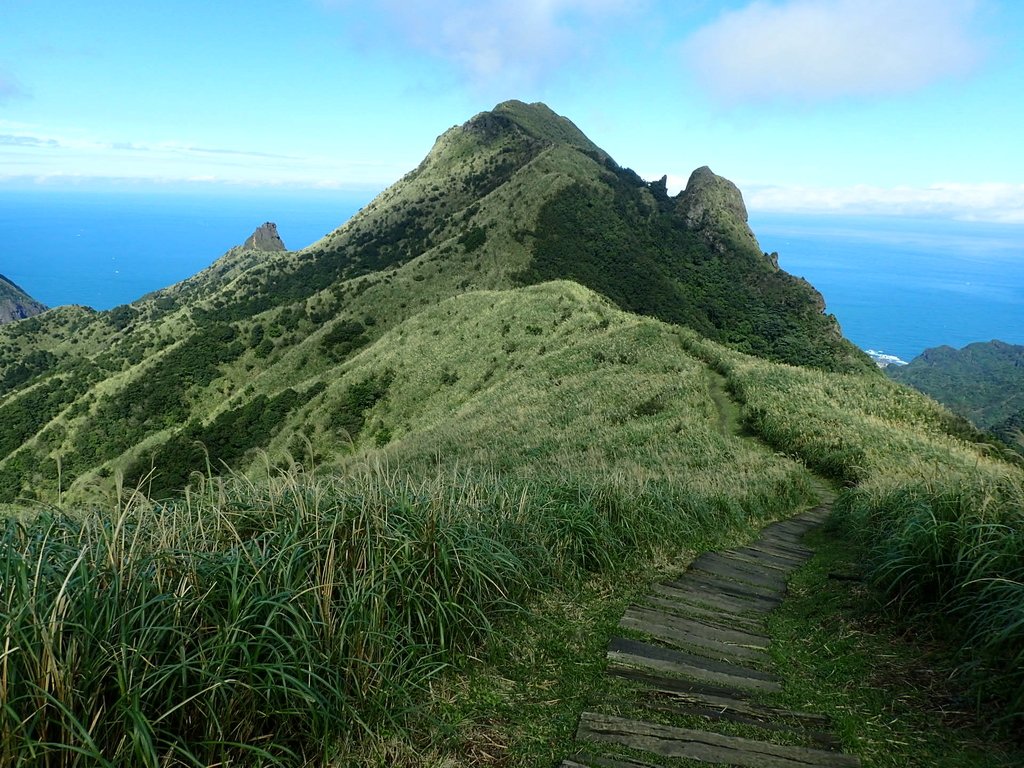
(279, 621)
(256, 622)
(952, 548)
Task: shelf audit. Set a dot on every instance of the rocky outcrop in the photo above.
(713, 206)
(265, 238)
(15, 304)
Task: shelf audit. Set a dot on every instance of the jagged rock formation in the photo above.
(15, 304)
(714, 206)
(265, 238)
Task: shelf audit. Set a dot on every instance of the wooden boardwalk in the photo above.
(692, 662)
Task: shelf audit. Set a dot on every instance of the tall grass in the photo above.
(952, 548)
(943, 518)
(279, 621)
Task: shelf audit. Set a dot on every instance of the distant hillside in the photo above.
(15, 304)
(513, 197)
(984, 382)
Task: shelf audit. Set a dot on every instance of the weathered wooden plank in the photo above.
(752, 596)
(669, 741)
(692, 609)
(793, 528)
(629, 645)
(667, 660)
(795, 551)
(739, 588)
(754, 557)
(774, 565)
(661, 682)
(686, 626)
(777, 539)
(753, 710)
(820, 738)
(786, 532)
(688, 640)
(757, 575)
(703, 596)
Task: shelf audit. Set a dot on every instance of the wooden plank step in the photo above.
(753, 596)
(730, 586)
(691, 609)
(784, 565)
(679, 638)
(691, 708)
(800, 553)
(703, 596)
(759, 572)
(669, 741)
(685, 626)
(667, 660)
(781, 540)
(752, 710)
(787, 531)
(757, 575)
(714, 696)
(795, 528)
(659, 682)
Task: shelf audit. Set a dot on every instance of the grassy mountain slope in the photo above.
(506, 444)
(15, 304)
(473, 460)
(513, 197)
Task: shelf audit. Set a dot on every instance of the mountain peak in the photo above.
(526, 125)
(714, 205)
(265, 238)
(542, 122)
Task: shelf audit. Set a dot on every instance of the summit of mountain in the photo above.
(513, 197)
(265, 238)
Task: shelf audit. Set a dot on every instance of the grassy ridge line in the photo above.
(287, 617)
(943, 519)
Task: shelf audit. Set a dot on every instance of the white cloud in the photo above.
(813, 50)
(993, 202)
(496, 42)
(39, 156)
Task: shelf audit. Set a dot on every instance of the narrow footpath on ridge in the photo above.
(691, 664)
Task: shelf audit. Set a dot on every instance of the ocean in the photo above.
(901, 285)
(897, 285)
(103, 249)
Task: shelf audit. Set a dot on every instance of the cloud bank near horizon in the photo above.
(989, 202)
(97, 161)
(809, 51)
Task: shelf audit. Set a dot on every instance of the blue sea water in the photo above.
(897, 285)
(902, 285)
(106, 249)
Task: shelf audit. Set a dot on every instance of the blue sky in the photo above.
(859, 106)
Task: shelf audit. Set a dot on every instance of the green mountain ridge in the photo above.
(513, 197)
(381, 501)
(983, 382)
(15, 304)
